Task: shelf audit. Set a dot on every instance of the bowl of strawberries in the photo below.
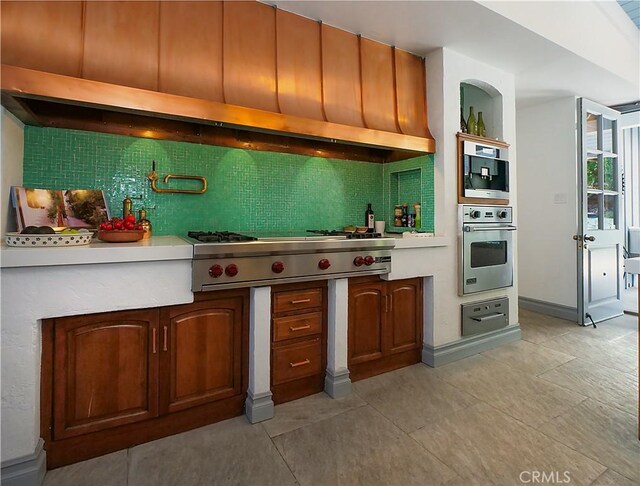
(121, 230)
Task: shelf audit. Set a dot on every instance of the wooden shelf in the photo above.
(46, 99)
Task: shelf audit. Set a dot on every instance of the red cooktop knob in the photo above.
(358, 261)
(369, 260)
(324, 264)
(215, 271)
(231, 270)
(277, 267)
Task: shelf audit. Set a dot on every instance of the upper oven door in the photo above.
(487, 258)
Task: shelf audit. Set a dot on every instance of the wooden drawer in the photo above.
(297, 300)
(297, 361)
(297, 326)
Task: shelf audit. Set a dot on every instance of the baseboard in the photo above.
(448, 353)
(27, 470)
(549, 308)
(259, 408)
(338, 385)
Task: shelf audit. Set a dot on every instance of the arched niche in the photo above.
(486, 99)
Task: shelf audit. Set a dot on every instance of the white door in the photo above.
(600, 237)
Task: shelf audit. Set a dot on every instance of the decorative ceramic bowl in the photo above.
(57, 240)
(361, 229)
(122, 236)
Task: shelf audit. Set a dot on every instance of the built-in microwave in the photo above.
(486, 170)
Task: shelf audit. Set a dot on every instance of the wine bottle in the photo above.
(472, 126)
(463, 124)
(482, 131)
(369, 219)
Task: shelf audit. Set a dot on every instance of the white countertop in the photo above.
(154, 249)
(417, 241)
(157, 248)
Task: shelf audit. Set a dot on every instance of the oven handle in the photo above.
(469, 229)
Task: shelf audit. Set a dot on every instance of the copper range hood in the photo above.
(52, 100)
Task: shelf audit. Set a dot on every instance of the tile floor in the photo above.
(561, 402)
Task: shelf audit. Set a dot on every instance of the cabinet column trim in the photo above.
(259, 404)
(337, 381)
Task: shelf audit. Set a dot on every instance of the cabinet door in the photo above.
(105, 371)
(201, 352)
(365, 322)
(403, 327)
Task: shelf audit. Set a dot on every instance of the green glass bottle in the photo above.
(472, 126)
(482, 131)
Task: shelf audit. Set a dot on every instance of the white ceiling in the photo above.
(543, 68)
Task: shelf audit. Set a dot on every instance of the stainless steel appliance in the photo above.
(484, 316)
(223, 260)
(486, 170)
(486, 248)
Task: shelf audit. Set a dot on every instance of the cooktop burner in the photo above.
(219, 236)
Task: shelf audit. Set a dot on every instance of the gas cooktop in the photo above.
(224, 259)
(231, 237)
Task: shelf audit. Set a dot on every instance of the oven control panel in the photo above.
(486, 214)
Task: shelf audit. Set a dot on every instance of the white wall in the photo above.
(547, 201)
(446, 69)
(12, 143)
(598, 31)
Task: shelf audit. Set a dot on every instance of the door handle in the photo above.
(164, 339)
(589, 238)
(154, 338)
(577, 238)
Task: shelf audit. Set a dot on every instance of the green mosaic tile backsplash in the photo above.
(249, 191)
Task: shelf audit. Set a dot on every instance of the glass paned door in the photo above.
(600, 238)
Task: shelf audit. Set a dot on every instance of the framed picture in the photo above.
(70, 208)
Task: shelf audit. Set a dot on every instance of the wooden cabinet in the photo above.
(366, 306)
(113, 380)
(385, 325)
(298, 340)
(201, 353)
(105, 371)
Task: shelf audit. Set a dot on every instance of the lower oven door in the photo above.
(487, 258)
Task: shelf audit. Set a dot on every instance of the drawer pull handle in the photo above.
(300, 363)
(154, 338)
(300, 328)
(300, 301)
